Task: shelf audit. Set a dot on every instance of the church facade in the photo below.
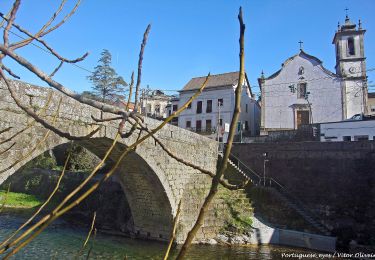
(304, 92)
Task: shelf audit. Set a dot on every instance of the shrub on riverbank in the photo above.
(19, 200)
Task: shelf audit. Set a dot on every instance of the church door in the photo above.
(302, 118)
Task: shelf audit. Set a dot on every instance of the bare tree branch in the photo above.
(130, 132)
(3, 21)
(16, 5)
(57, 69)
(223, 182)
(173, 235)
(42, 206)
(29, 125)
(42, 31)
(223, 165)
(40, 120)
(106, 119)
(5, 130)
(55, 14)
(58, 211)
(39, 143)
(9, 71)
(50, 49)
(6, 150)
(139, 75)
(43, 76)
(63, 20)
(130, 91)
(47, 218)
(89, 234)
(25, 42)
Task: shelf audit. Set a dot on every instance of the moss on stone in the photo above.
(238, 214)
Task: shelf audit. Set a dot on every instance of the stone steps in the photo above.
(291, 203)
(300, 210)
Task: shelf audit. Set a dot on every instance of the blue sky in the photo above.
(190, 38)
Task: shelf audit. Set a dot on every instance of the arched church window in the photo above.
(351, 49)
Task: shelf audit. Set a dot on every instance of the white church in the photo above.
(304, 92)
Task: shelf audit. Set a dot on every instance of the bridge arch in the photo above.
(145, 186)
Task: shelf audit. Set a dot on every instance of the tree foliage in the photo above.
(107, 84)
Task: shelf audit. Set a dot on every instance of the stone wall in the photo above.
(335, 180)
(153, 182)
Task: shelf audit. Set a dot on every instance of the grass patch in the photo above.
(20, 200)
(238, 217)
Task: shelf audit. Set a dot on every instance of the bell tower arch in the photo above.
(351, 67)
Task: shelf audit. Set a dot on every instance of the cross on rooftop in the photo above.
(300, 44)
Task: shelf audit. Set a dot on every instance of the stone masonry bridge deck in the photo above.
(153, 182)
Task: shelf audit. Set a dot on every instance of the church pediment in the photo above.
(302, 67)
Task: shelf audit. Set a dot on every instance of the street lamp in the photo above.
(264, 168)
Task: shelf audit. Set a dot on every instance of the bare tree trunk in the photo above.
(223, 166)
(139, 75)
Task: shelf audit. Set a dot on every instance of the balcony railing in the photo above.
(202, 130)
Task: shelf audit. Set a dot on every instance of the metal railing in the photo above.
(256, 178)
(271, 182)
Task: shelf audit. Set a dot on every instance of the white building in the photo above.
(371, 104)
(350, 130)
(154, 103)
(214, 108)
(172, 107)
(304, 92)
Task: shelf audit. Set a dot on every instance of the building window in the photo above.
(360, 137)
(346, 138)
(157, 109)
(174, 107)
(246, 126)
(188, 124)
(372, 108)
(198, 126)
(209, 106)
(208, 125)
(351, 49)
(199, 107)
(175, 121)
(221, 122)
(148, 108)
(220, 102)
(301, 90)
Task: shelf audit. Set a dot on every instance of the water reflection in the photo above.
(61, 241)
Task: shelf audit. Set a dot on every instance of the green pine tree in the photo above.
(108, 86)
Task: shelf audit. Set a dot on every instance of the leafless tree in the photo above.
(7, 49)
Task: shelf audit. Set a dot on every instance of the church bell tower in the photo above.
(351, 67)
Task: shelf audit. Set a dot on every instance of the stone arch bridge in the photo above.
(153, 182)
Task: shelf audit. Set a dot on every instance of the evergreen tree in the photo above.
(107, 84)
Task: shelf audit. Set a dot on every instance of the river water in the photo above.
(61, 241)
